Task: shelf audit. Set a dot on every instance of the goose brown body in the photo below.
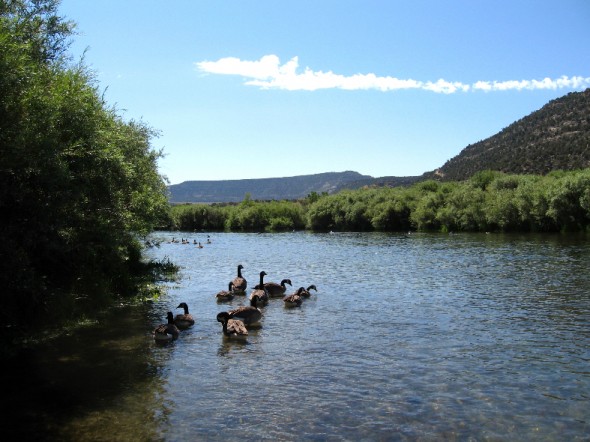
(184, 320)
(275, 290)
(294, 300)
(166, 332)
(232, 328)
(239, 282)
(260, 291)
(249, 314)
(226, 295)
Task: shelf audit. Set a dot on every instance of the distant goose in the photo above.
(240, 283)
(275, 290)
(294, 300)
(164, 333)
(260, 290)
(226, 295)
(305, 293)
(250, 314)
(232, 328)
(185, 320)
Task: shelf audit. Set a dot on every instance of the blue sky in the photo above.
(254, 89)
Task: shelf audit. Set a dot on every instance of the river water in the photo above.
(409, 337)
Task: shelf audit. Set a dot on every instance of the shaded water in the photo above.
(409, 337)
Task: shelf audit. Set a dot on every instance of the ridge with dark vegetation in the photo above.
(228, 191)
(555, 137)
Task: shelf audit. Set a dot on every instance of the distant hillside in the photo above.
(261, 189)
(557, 136)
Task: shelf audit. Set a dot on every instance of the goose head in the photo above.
(184, 306)
(223, 317)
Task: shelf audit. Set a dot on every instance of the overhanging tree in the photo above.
(78, 184)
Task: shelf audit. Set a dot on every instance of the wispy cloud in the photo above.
(269, 73)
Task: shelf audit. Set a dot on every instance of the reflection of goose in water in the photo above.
(164, 333)
(232, 328)
(226, 295)
(250, 314)
(275, 290)
(240, 283)
(184, 320)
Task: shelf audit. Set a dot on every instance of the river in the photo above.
(408, 337)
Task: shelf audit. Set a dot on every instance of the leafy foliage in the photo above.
(489, 201)
(78, 185)
(248, 216)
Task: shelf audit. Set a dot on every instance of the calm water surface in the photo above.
(427, 337)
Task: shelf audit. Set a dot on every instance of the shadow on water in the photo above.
(99, 382)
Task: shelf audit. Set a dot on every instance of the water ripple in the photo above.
(420, 337)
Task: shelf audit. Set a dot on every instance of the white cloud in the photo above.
(563, 82)
(265, 68)
(445, 87)
(268, 73)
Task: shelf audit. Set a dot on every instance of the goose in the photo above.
(275, 290)
(305, 292)
(260, 290)
(240, 282)
(232, 328)
(184, 320)
(249, 314)
(164, 333)
(226, 295)
(294, 300)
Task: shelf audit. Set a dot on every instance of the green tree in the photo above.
(391, 210)
(532, 204)
(424, 216)
(79, 186)
(567, 198)
(463, 209)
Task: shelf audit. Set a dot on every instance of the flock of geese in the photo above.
(187, 241)
(235, 323)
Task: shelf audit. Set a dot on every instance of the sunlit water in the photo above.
(422, 337)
